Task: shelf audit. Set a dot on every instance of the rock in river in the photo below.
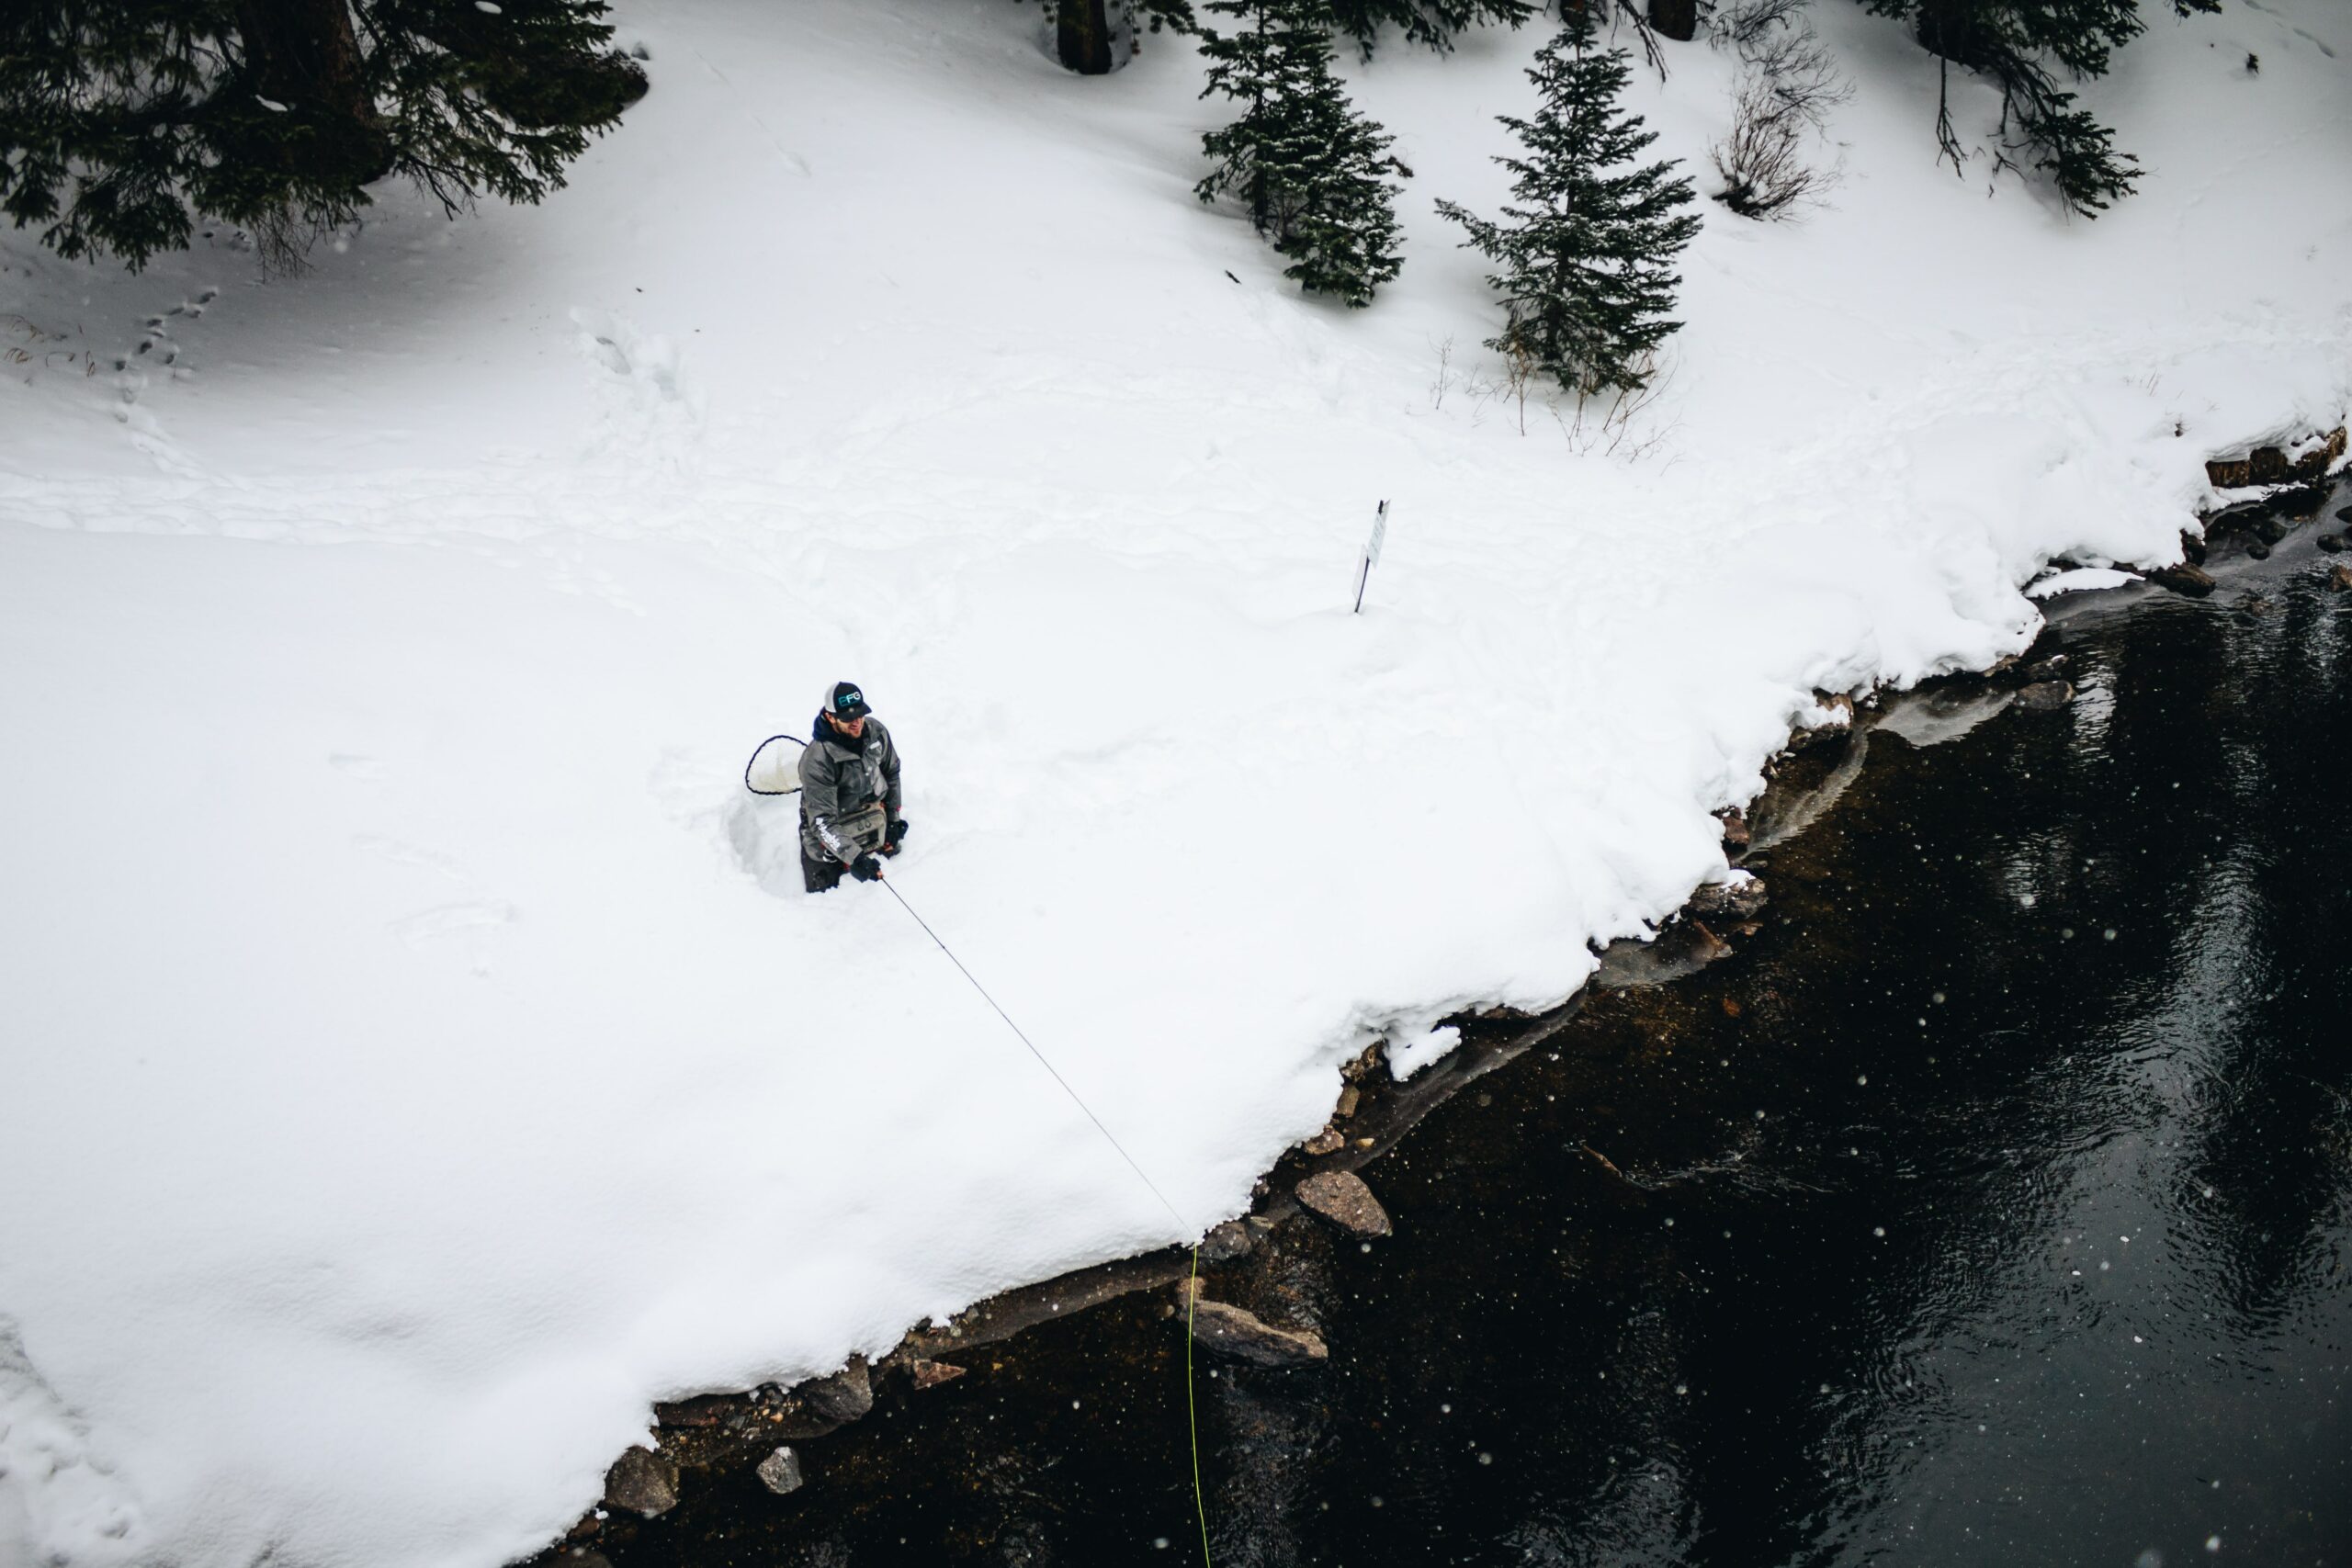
(641, 1482)
(1245, 1335)
(2046, 696)
(1340, 1197)
(932, 1374)
(780, 1472)
(2183, 579)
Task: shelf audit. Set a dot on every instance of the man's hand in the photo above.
(894, 838)
(865, 868)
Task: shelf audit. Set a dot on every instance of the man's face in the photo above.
(852, 727)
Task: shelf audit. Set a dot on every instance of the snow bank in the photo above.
(419, 1056)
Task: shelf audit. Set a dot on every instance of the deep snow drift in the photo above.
(419, 1056)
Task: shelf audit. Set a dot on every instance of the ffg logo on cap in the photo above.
(843, 700)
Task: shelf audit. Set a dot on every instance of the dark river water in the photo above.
(1987, 1206)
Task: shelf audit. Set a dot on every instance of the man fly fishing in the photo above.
(849, 793)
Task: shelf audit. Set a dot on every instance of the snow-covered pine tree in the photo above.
(123, 121)
(1586, 251)
(1308, 168)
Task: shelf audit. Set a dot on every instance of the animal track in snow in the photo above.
(156, 347)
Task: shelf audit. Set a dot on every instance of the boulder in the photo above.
(1340, 1197)
(2344, 514)
(2258, 551)
(780, 1472)
(2270, 465)
(641, 1482)
(2183, 579)
(843, 1397)
(1741, 898)
(825, 1404)
(2331, 542)
(1243, 1334)
(1226, 1242)
(2339, 577)
(2046, 696)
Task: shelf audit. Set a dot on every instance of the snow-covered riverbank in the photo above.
(415, 1067)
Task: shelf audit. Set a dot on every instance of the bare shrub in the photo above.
(1788, 85)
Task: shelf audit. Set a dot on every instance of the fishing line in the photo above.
(1017, 1030)
(1192, 1291)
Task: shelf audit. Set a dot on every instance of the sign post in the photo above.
(1371, 555)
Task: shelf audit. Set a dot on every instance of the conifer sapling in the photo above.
(1586, 250)
(1309, 169)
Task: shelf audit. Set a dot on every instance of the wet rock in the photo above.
(1243, 1334)
(2300, 505)
(843, 1397)
(1350, 1098)
(931, 1374)
(780, 1472)
(2183, 579)
(1226, 1242)
(1741, 898)
(2331, 542)
(2051, 669)
(2045, 696)
(2344, 514)
(1340, 1197)
(1735, 834)
(2258, 551)
(2192, 549)
(2339, 577)
(1330, 1141)
(826, 1404)
(2270, 465)
(641, 1482)
(2268, 529)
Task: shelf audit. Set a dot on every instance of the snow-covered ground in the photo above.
(418, 1053)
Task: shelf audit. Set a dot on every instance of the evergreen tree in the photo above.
(1586, 252)
(1307, 167)
(2014, 44)
(123, 121)
(1430, 22)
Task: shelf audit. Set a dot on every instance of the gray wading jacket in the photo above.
(849, 790)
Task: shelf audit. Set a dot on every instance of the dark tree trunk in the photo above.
(1677, 20)
(303, 53)
(1083, 33)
